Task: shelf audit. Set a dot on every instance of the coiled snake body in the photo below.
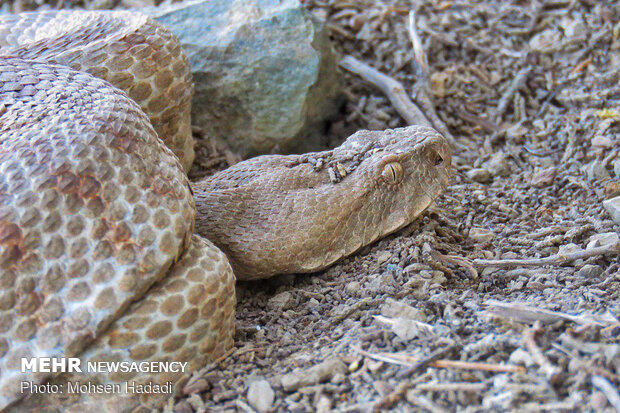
(98, 256)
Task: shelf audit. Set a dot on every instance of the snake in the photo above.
(108, 252)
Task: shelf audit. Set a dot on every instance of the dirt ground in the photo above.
(530, 91)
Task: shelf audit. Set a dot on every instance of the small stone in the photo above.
(320, 373)
(379, 282)
(481, 235)
(613, 208)
(590, 271)
(598, 401)
(398, 309)
(352, 288)
(261, 395)
(602, 239)
(569, 249)
(498, 165)
(281, 301)
(602, 142)
(383, 256)
(543, 177)
(544, 40)
(597, 171)
(572, 28)
(480, 175)
(313, 303)
(521, 357)
(324, 405)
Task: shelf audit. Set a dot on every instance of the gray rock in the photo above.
(320, 373)
(603, 239)
(281, 301)
(543, 177)
(264, 71)
(481, 235)
(261, 395)
(613, 207)
(590, 271)
(479, 175)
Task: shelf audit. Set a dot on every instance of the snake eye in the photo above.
(436, 158)
(392, 173)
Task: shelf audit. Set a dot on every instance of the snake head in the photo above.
(402, 172)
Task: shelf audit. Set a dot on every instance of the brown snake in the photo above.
(98, 256)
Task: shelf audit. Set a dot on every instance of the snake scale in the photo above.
(108, 252)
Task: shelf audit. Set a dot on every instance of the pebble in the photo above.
(352, 288)
(480, 175)
(481, 235)
(383, 256)
(281, 301)
(569, 249)
(602, 142)
(590, 271)
(498, 165)
(602, 239)
(323, 405)
(398, 309)
(261, 395)
(597, 171)
(543, 177)
(379, 282)
(320, 373)
(613, 208)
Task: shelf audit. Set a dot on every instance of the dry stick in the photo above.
(422, 86)
(392, 88)
(556, 259)
(551, 372)
(517, 83)
(609, 390)
(404, 360)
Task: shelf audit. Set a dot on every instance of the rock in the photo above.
(602, 142)
(569, 249)
(264, 71)
(544, 40)
(379, 282)
(383, 256)
(479, 175)
(543, 177)
(320, 373)
(498, 165)
(613, 208)
(481, 235)
(397, 309)
(323, 405)
(590, 271)
(261, 395)
(352, 288)
(602, 239)
(281, 301)
(597, 171)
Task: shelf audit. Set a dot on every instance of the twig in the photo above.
(405, 360)
(517, 83)
(458, 261)
(609, 390)
(551, 372)
(422, 86)
(556, 259)
(451, 387)
(392, 88)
